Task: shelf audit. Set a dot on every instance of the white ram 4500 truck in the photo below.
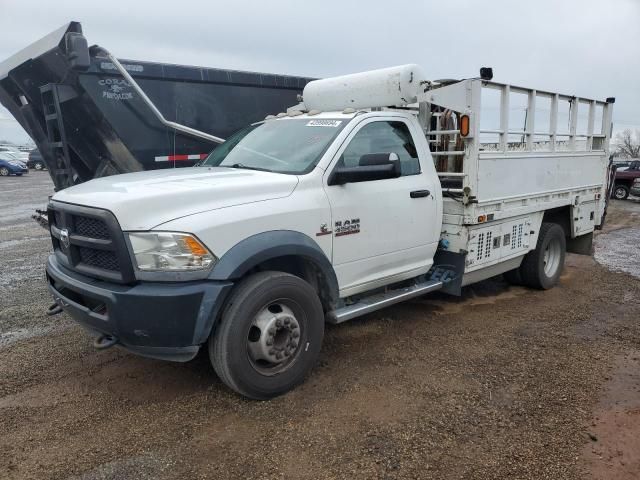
(341, 206)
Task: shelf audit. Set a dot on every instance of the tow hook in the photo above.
(104, 341)
(54, 309)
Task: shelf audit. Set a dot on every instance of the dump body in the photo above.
(88, 122)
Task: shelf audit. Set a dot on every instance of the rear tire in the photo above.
(541, 268)
(620, 192)
(269, 336)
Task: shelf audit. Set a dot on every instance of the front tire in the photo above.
(269, 336)
(541, 268)
(38, 166)
(4, 172)
(620, 192)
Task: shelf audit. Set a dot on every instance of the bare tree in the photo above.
(628, 144)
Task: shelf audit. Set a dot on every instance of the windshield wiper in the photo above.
(246, 167)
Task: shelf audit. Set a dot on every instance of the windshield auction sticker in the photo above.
(324, 123)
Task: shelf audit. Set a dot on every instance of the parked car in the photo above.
(625, 180)
(35, 160)
(21, 156)
(10, 166)
(621, 164)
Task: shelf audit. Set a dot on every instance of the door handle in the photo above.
(419, 193)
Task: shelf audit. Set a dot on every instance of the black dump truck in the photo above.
(91, 115)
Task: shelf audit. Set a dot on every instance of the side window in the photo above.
(383, 137)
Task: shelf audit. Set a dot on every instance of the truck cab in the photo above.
(367, 192)
(350, 201)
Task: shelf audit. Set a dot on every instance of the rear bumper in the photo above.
(160, 320)
(635, 191)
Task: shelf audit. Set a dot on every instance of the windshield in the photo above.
(291, 146)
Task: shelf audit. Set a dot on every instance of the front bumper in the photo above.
(160, 320)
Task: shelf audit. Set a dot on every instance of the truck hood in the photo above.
(143, 200)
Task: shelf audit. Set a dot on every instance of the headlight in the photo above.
(170, 251)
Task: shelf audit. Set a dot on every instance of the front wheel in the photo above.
(269, 336)
(541, 268)
(4, 172)
(38, 166)
(620, 192)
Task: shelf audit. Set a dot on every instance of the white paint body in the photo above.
(398, 234)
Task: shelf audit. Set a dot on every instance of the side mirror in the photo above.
(372, 166)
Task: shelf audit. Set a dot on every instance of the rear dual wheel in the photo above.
(541, 268)
(269, 336)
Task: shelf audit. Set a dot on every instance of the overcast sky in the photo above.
(588, 48)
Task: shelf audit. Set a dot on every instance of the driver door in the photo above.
(383, 230)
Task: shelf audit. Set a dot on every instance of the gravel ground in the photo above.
(502, 383)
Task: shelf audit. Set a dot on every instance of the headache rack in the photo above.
(524, 147)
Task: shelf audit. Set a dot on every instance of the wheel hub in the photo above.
(274, 335)
(551, 258)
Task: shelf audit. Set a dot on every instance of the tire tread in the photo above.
(218, 345)
(530, 267)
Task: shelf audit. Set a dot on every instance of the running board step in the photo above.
(381, 300)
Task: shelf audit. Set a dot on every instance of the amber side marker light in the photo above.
(195, 246)
(464, 125)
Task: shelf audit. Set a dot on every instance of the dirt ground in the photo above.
(503, 383)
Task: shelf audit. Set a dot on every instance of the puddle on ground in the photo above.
(619, 250)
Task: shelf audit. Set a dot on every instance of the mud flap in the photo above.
(611, 181)
(448, 267)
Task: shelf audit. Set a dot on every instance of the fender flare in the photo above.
(254, 250)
